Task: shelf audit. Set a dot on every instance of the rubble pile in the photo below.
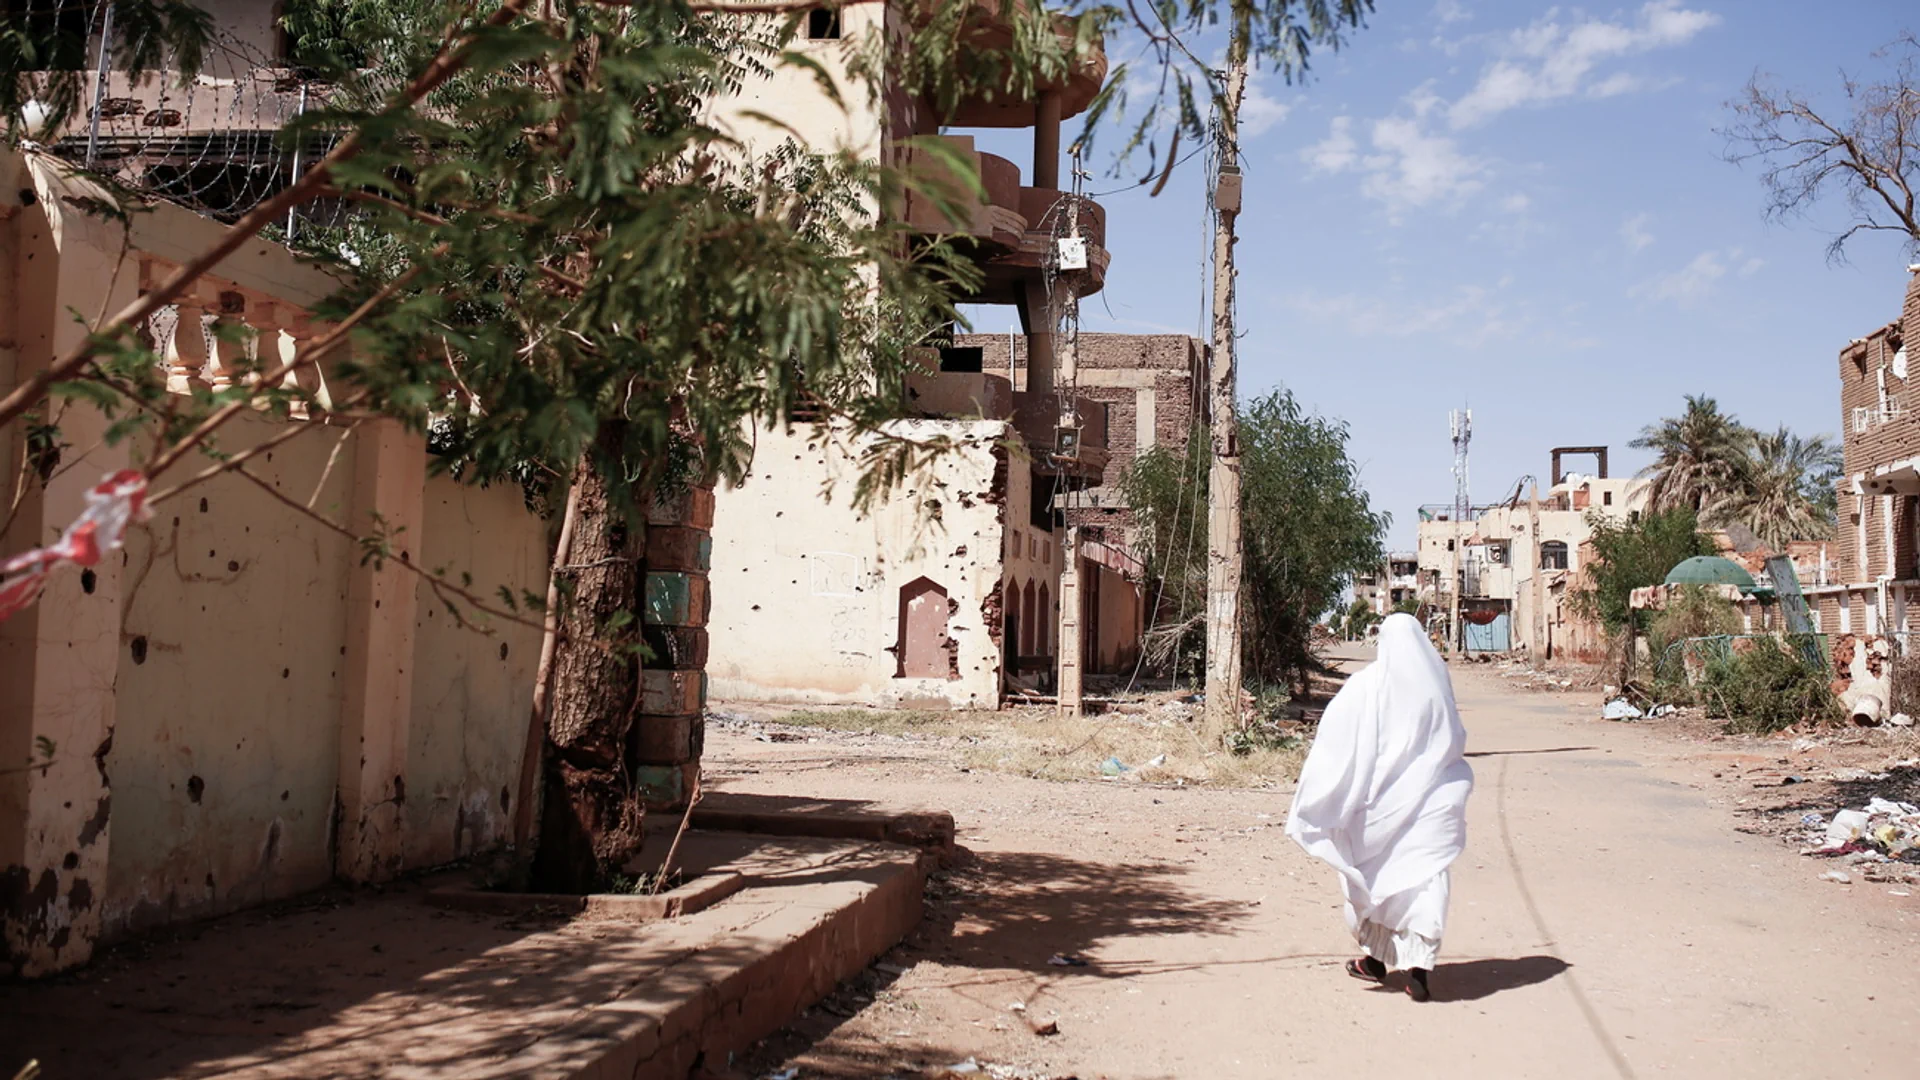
(1881, 841)
(1532, 678)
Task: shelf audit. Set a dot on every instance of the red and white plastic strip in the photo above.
(113, 504)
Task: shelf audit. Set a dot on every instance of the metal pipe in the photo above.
(100, 81)
(292, 210)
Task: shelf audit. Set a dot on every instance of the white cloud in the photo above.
(1699, 279)
(1470, 315)
(1516, 204)
(1337, 152)
(1446, 12)
(1412, 168)
(1404, 166)
(1259, 111)
(1634, 232)
(1549, 61)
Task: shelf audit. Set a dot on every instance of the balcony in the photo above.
(959, 395)
(994, 221)
(1073, 446)
(1046, 214)
(991, 30)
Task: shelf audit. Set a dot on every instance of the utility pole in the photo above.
(1072, 259)
(1223, 476)
(1537, 643)
(1460, 423)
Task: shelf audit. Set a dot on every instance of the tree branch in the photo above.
(445, 66)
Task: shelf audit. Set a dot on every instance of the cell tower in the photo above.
(1461, 420)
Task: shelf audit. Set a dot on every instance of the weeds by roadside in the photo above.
(1151, 744)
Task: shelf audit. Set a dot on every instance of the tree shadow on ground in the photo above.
(1006, 915)
(1021, 909)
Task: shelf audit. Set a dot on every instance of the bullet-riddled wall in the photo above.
(814, 603)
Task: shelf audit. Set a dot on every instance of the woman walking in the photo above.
(1383, 800)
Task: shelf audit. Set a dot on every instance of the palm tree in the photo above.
(1698, 456)
(1783, 488)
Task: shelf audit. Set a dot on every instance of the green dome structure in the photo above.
(1711, 570)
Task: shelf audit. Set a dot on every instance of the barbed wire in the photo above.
(215, 142)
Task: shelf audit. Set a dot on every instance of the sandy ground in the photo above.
(1611, 918)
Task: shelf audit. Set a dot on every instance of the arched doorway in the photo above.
(924, 649)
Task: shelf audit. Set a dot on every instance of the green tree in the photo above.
(1307, 526)
(1698, 456)
(1783, 488)
(1631, 555)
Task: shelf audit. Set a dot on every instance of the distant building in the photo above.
(1492, 558)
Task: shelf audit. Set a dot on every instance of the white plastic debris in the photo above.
(1900, 719)
(1621, 709)
(1846, 825)
(1158, 761)
(1839, 877)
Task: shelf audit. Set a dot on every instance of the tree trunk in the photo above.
(590, 820)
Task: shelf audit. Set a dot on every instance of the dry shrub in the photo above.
(1034, 742)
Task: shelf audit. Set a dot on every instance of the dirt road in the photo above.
(1608, 921)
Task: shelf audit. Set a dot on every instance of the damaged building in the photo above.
(1875, 579)
(1513, 564)
(970, 580)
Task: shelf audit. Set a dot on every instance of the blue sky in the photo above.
(1523, 208)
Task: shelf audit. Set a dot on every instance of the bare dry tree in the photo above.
(1870, 153)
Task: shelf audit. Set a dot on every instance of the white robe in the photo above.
(1383, 796)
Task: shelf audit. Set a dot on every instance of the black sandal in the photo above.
(1367, 969)
(1417, 988)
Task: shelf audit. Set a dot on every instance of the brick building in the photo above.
(1153, 387)
(1875, 548)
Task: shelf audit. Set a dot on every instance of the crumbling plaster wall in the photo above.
(806, 592)
(230, 680)
(472, 694)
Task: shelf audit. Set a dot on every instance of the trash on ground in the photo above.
(1900, 719)
(1837, 876)
(1159, 760)
(1663, 710)
(784, 1074)
(1067, 960)
(1621, 709)
(1045, 1027)
(1881, 831)
(1113, 767)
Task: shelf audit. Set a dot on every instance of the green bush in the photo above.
(1694, 611)
(1766, 687)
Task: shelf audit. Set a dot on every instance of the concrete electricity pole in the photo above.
(1537, 636)
(1072, 648)
(1223, 477)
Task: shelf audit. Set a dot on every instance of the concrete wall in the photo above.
(242, 707)
(807, 593)
(472, 694)
(230, 685)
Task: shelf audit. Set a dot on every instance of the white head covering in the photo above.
(1383, 795)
